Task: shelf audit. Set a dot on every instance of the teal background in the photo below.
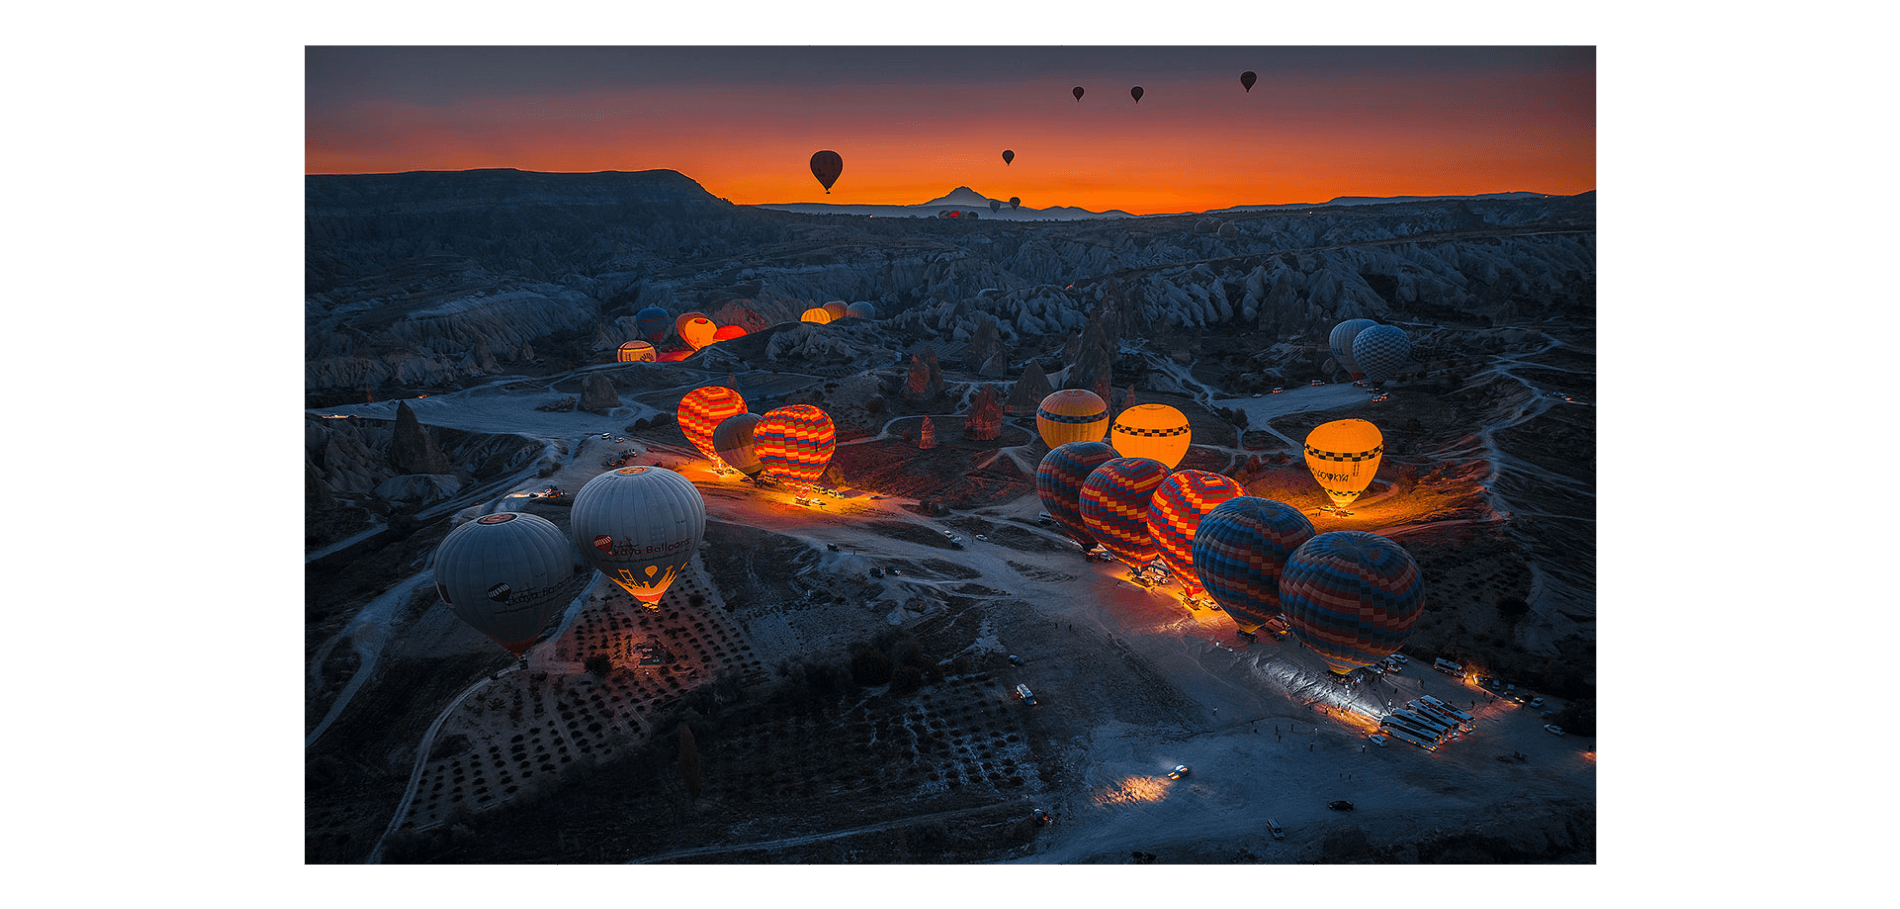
(154, 274)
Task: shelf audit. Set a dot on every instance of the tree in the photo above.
(599, 664)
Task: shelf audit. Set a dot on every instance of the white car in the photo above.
(1535, 703)
(1402, 658)
(1179, 771)
(1553, 729)
(982, 538)
(1376, 739)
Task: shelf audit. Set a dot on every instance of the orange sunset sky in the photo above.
(914, 122)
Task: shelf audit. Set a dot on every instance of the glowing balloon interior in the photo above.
(1154, 431)
(795, 443)
(1343, 456)
(1175, 513)
(636, 352)
(702, 410)
(1071, 415)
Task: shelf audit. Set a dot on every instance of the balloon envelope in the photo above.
(1352, 597)
(816, 314)
(1115, 507)
(1137, 93)
(1008, 156)
(995, 206)
(1340, 343)
(1343, 456)
(699, 332)
(1247, 80)
(1071, 415)
(635, 352)
(653, 322)
(835, 309)
(861, 310)
(1175, 513)
(1059, 480)
(1151, 431)
(640, 526)
(1381, 351)
(728, 332)
(734, 443)
(702, 410)
(1077, 92)
(795, 443)
(1015, 201)
(679, 322)
(1241, 549)
(504, 574)
(826, 166)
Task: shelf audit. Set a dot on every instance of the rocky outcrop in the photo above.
(985, 420)
(985, 343)
(412, 449)
(414, 490)
(927, 436)
(1028, 392)
(316, 493)
(597, 394)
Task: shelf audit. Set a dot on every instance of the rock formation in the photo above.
(1029, 391)
(927, 437)
(597, 394)
(985, 420)
(413, 448)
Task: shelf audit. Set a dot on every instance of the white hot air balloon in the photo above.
(640, 526)
(504, 574)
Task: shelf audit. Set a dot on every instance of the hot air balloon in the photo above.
(1114, 505)
(795, 443)
(1136, 91)
(1151, 431)
(1340, 343)
(1381, 351)
(679, 322)
(504, 574)
(1008, 156)
(702, 410)
(733, 443)
(826, 166)
(816, 314)
(653, 322)
(1239, 552)
(1077, 92)
(1352, 597)
(835, 309)
(1343, 456)
(1071, 415)
(698, 333)
(1015, 201)
(728, 332)
(1059, 480)
(640, 526)
(1175, 513)
(1247, 79)
(861, 310)
(995, 206)
(636, 352)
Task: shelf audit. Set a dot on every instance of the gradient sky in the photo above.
(914, 122)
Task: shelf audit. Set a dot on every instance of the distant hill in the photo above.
(1390, 200)
(962, 198)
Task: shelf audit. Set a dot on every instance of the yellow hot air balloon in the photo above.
(636, 352)
(835, 309)
(816, 314)
(1154, 431)
(1071, 415)
(698, 332)
(1343, 455)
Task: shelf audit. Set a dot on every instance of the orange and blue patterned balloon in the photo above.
(702, 410)
(1072, 415)
(1175, 513)
(1059, 480)
(1115, 507)
(1352, 597)
(795, 443)
(1240, 551)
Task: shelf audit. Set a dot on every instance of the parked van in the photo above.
(1028, 697)
(1456, 714)
(1443, 665)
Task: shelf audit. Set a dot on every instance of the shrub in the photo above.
(599, 664)
(870, 666)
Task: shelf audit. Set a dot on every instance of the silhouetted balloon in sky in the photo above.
(1240, 550)
(826, 166)
(504, 574)
(1247, 79)
(995, 206)
(1352, 597)
(1015, 201)
(1137, 92)
(640, 526)
(1008, 156)
(1077, 92)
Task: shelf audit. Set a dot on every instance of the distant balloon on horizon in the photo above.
(1015, 201)
(1008, 156)
(1077, 92)
(1137, 92)
(826, 166)
(1247, 79)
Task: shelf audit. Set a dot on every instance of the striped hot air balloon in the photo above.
(504, 574)
(1343, 456)
(1381, 351)
(1340, 343)
(733, 442)
(1059, 480)
(640, 526)
(835, 309)
(653, 322)
(1240, 551)
(1175, 513)
(1352, 597)
(1115, 508)
(795, 443)
(1154, 431)
(861, 310)
(702, 410)
(816, 314)
(636, 352)
(1072, 415)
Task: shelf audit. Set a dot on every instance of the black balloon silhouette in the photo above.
(826, 166)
